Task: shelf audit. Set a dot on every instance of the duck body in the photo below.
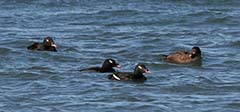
(41, 47)
(136, 76)
(99, 69)
(107, 67)
(127, 76)
(47, 45)
(183, 57)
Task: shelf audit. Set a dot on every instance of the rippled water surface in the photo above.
(130, 31)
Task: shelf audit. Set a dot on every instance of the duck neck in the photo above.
(48, 46)
(106, 67)
(195, 55)
(137, 73)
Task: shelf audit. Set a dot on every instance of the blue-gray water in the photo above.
(130, 31)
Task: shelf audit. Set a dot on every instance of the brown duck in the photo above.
(182, 57)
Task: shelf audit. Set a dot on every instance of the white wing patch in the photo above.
(116, 77)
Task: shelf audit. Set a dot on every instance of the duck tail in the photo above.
(164, 55)
(85, 69)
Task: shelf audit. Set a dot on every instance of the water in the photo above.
(136, 31)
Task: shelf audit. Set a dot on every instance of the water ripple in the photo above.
(131, 32)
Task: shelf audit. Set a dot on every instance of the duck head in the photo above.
(48, 41)
(195, 52)
(110, 63)
(142, 69)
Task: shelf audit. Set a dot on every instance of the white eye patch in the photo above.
(110, 61)
(47, 40)
(140, 67)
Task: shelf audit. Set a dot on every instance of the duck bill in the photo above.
(148, 72)
(54, 45)
(118, 66)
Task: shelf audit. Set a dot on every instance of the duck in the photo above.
(136, 76)
(183, 57)
(47, 45)
(107, 67)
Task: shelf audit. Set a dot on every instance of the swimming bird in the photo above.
(182, 57)
(47, 45)
(137, 75)
(107, 66)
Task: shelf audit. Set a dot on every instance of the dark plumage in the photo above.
(137, 75)
(107, 66)
(184, 57)
(47, 45)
